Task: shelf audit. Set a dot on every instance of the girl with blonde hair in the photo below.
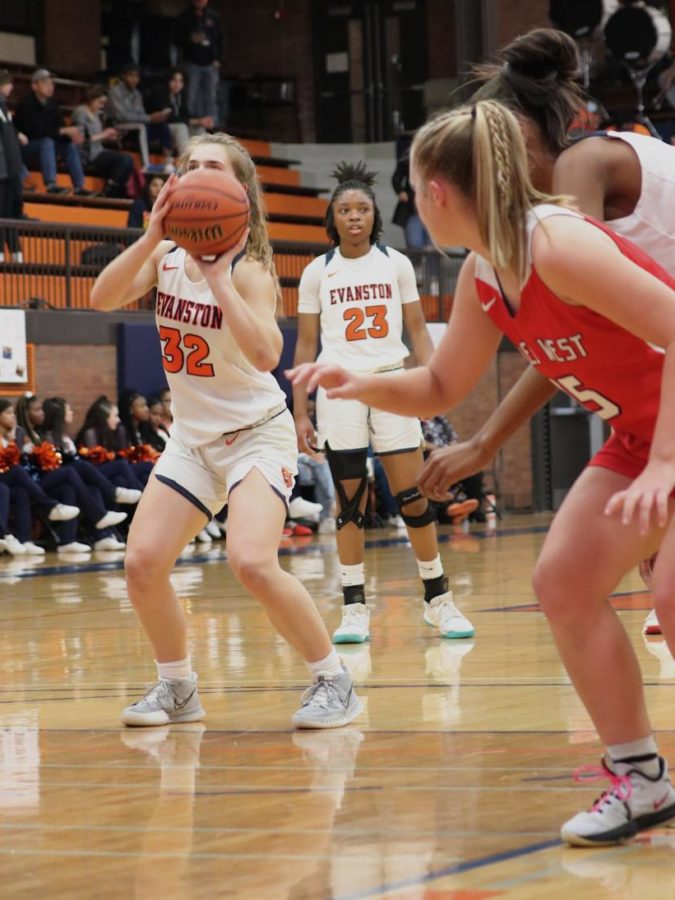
(594, 314)
(232, 441)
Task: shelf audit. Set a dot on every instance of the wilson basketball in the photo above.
(208, 212)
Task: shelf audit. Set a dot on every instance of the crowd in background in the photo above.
(98, 135)
(74, 490)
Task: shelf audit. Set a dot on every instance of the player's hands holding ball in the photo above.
(337, 382)
(219, 267)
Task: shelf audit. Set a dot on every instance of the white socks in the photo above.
(180, 670)
(331, 665)
(353, 576)
(637, 750)
(432, 568)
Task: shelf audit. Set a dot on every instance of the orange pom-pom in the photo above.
(96, 455)
(140, 453)
(9, 457)
(46, 456)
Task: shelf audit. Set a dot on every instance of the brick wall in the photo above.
(442, 44)
(71, 37)
(80, 373)
(519, 16)
(257, 43)
(513, 464)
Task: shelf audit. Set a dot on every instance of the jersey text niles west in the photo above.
(360, 292)
(190, 311)
(561, 350)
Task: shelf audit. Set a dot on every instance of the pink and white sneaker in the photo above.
(635, 802)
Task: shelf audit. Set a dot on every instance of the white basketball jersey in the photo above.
(214, 388)
(651, 225)
(360, 302)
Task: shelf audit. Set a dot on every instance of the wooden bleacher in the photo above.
(295, 217)
(295, 222)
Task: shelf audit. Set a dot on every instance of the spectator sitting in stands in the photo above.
(142, 206)
(24, 491)
(113, 165)
(39, 117)
(65, 483)
(11, 166)
(128, 114)
(182, 123)
(8, 541)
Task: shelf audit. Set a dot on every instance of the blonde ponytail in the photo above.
(481, 150)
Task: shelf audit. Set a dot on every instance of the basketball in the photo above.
(208, 212)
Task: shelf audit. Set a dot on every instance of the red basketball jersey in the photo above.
(607, 369)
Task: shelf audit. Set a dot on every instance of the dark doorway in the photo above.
(370, 64)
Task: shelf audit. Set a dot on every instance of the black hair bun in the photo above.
(345, 171)
(543, 54)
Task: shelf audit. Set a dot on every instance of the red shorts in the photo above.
(623, 453)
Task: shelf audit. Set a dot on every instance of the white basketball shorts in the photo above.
(205, 475)
(351, 425)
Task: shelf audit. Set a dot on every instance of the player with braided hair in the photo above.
(356, 298)
(595, 315)
(626, 180)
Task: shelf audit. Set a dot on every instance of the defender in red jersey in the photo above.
(593, 312)
(626, 180)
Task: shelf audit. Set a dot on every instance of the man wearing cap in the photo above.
(39, 117)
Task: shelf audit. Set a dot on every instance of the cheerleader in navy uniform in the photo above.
(103, 431)
(24, 490)
(66, 484)
(356, 299)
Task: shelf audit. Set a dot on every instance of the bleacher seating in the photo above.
(53, 272)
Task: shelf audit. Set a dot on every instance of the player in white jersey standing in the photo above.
(626, 180)
(356, 298)
(232, 441)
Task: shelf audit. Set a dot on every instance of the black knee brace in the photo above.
(410, 495)
(348, 465)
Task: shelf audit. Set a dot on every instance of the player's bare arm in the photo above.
(247, 298)
(448, 465)
(583, 265)
(583, 172)
(134, 272)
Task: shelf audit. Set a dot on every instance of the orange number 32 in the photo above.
(191, 354)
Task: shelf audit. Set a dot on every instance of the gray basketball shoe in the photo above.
(165, 702)
(329, 703)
